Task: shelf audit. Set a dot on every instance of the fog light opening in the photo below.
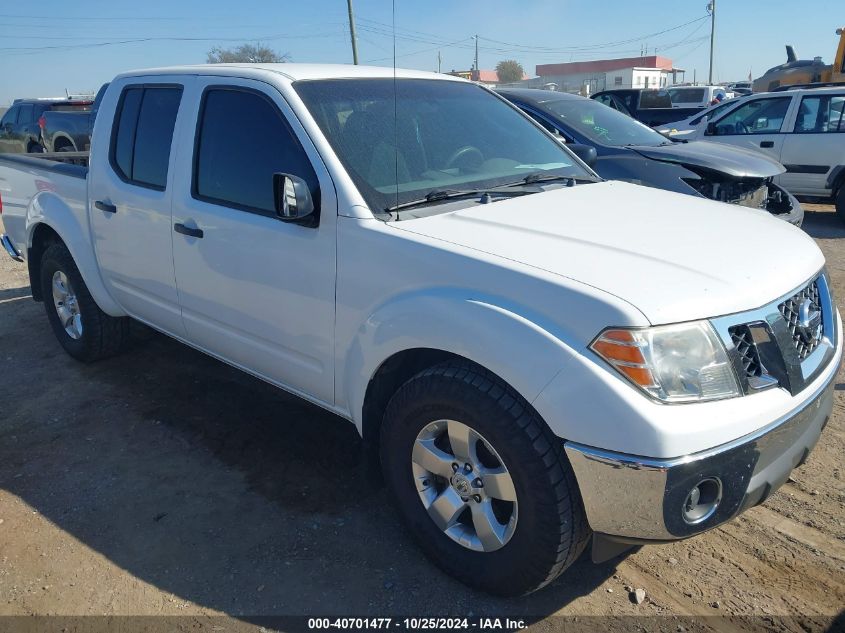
(702, 500)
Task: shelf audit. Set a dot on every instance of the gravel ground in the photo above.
(163, 482)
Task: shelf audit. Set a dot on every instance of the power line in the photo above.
(279, 36)
(89, 18)
(529, 48)
(376, 27)
(425, 50)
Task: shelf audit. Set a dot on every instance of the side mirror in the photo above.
(586, 153)
(711, 129)
(292, 197)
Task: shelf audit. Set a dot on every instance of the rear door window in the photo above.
(143, 134)
(821, 114)
(25, 114)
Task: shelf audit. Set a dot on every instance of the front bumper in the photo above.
(795, 215)
(631, 499)
(10, 248)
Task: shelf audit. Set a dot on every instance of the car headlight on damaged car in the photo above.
(672, 363)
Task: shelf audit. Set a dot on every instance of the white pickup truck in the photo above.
(542, 358)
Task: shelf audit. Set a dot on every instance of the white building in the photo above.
(650, 71)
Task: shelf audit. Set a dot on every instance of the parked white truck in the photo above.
(542, 358)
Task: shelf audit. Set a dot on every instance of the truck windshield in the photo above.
(603, 125)
(400, 140)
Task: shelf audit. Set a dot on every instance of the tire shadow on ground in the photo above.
(216, 487)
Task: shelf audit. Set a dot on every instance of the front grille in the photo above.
(747, 350)
(803, 315)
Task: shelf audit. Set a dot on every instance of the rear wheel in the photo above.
(82, 329)
(840, 203)
(481, 481)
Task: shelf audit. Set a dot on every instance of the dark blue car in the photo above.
(628, 150)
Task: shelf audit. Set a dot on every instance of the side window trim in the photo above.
(116, 125)
(195, 194)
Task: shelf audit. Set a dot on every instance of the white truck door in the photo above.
(130, 189)
(756, 124)
(255, 290)
(816, 144)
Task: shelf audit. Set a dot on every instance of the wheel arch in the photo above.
(50, 219)
(43, 235)
(414, 334)
(389, 377)
(62, 140)
(837, 179)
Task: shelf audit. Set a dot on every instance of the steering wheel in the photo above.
(741, 128)
(461, 152)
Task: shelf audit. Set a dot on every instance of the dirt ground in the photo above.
(163, 482)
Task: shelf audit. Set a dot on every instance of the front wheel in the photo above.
(83, 330)
(482, 483)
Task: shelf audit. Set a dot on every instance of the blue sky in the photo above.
(51, 45)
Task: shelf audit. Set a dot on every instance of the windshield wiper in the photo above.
(435, 195)
(540, 177)
(509, 189)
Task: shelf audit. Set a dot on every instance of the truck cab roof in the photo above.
(292, 72)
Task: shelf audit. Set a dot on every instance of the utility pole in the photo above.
(712, 8)
(352, 33)
(476, 53)
(438, 61)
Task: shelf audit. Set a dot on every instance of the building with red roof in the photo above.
(587, 77)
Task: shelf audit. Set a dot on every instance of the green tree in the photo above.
(509, 71)
(245, 53)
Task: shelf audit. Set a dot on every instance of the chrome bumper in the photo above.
(635, 499)
(10, 248)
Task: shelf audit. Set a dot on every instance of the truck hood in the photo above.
(674, 257)
(733, 161)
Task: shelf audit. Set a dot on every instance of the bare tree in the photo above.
(509, 71)
(245, 53)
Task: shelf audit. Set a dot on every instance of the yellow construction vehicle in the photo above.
(805, 72)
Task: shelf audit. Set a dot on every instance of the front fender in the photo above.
(70, 222)
(639, 170)
(523, 350)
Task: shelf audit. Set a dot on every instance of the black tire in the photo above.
(102, 335)
(551, 530)
(34, 148)
(840, 202)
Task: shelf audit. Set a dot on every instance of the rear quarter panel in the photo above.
(35, 195)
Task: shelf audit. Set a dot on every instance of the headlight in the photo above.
(673, 363)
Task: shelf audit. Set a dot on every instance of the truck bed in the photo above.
(66, 163)
(24, 176)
